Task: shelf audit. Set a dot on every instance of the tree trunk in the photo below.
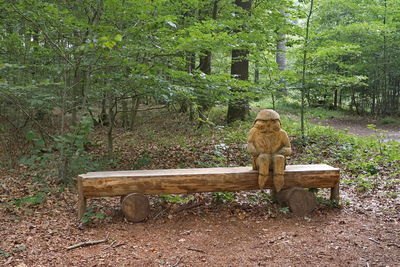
(205, 66)
(110, 139)
(205, 62)
(134, 108)
(385, 93)
(281, 52)
(335, 98)
(111, 117)
(240, 64)
(63, 161)
(273, 100)
(103, 114)
(125, 114)
(190, 62)
(303, 79)
(257, 73)
(373, 107)
(238, 106)
(281, 60)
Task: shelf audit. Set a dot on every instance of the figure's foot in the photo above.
(278, 182)
(262, 180)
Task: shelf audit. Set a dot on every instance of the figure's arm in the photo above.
(286, 149)
(251, 148)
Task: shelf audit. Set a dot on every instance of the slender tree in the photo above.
(304, 66)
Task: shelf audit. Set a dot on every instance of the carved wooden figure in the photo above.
(269, 145)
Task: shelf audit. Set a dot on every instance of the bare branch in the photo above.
(87, 243)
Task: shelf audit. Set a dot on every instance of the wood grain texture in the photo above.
(335, 193)
(176, 181)
(81, 199)
(300, 201)
(136, 207)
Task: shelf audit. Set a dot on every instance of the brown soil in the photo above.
(366, 232)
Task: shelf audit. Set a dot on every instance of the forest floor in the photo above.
(36, 230)
(359, 125)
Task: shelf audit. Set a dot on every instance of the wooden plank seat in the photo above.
(176, 181)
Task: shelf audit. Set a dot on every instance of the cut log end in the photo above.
(136, 207)
(300, 201)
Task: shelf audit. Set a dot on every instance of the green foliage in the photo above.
(363, 159)
(19, 248)
(389, 120)
(264, 196)
(72, 146)
(142, 162)
(284, 210)
(352, 55)
(92, 215)
(391, 195)
(5, 254)
(291, 105)
(328, 202)
(237, 132)
(68, 150)
(313, 190)
(362, 182)
(223, 197)
(36, 199)
(37, 194)
(180, 199)
(217, 115)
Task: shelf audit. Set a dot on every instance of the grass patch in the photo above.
(291, 106)
(389, 120)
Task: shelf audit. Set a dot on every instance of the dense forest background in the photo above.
(94, 85)
(68, 66)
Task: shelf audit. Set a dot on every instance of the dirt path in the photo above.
(359, 126)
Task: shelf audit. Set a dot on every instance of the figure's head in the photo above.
(267, 121)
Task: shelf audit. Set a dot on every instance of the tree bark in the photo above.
(238, 106)
(125, 114)
(281, 60)
(205, 62)
(303, 79)
(112, 112)
(335, 98)
(134, 108)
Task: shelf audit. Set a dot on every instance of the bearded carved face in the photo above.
(269, 126)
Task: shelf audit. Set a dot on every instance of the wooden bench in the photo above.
(135, 184)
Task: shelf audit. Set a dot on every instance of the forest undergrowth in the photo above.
(370, 166)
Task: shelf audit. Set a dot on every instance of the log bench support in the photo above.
(178, 181)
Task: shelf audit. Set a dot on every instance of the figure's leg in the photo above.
(254, 162)
(279, 170)
(263, 162)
